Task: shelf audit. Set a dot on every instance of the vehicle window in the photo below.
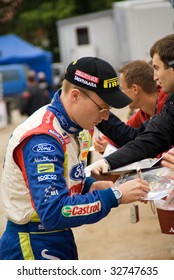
(25, 69)
(10, 75)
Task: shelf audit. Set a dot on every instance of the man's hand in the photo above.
(100, 144)
(98, 168)
(168, 161)
(134, 190)
(101, 185)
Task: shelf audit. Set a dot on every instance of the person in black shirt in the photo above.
(33, 97)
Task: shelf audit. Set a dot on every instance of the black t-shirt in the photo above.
(32, 99)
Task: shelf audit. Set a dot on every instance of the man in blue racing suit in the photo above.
(45, 191)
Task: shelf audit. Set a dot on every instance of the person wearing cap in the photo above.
(45, 191)
(157, 135)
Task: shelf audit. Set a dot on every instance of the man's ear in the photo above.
(135, 88)
(75, 93)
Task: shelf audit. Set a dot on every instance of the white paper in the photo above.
(109, 150)
(159, 182)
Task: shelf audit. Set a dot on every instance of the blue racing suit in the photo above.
(44, 188)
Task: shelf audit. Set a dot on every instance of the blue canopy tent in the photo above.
(14, 50)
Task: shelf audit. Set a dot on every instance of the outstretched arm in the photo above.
(118, 131)
(157, 138)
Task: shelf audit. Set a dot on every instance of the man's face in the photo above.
(87, 108)
(132, 92)
(163, 76)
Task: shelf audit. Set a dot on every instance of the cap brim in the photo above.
(117, 100)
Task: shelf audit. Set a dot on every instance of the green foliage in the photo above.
(35, 21)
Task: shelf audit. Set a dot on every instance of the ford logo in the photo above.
(77, 172)
(44, 147)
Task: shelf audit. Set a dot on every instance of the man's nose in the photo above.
(105, 115)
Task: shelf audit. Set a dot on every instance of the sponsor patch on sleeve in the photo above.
(45, 168)
(81, 209)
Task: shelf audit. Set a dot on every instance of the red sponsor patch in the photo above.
(87, 76)
(76, 189)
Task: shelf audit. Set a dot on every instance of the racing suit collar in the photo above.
(58, 109)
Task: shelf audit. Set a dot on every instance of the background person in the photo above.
(33, 97)
(137, 82)
(42, 82)
(158, 135)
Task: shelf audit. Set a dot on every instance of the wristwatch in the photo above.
(117, 193)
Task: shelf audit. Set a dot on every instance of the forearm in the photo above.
(118, 131)
(147, 144)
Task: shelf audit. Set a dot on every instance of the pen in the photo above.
(139, 173)
(140, 176)
(99, 137)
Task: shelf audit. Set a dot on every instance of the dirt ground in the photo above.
(115, 237)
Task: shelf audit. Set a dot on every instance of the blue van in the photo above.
(13, 84)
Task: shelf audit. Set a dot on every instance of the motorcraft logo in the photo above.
(45, 168)
(44, 147)
(81, 210)
(111, 83)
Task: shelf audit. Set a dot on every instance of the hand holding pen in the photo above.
(140, 176)
(99, 142)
